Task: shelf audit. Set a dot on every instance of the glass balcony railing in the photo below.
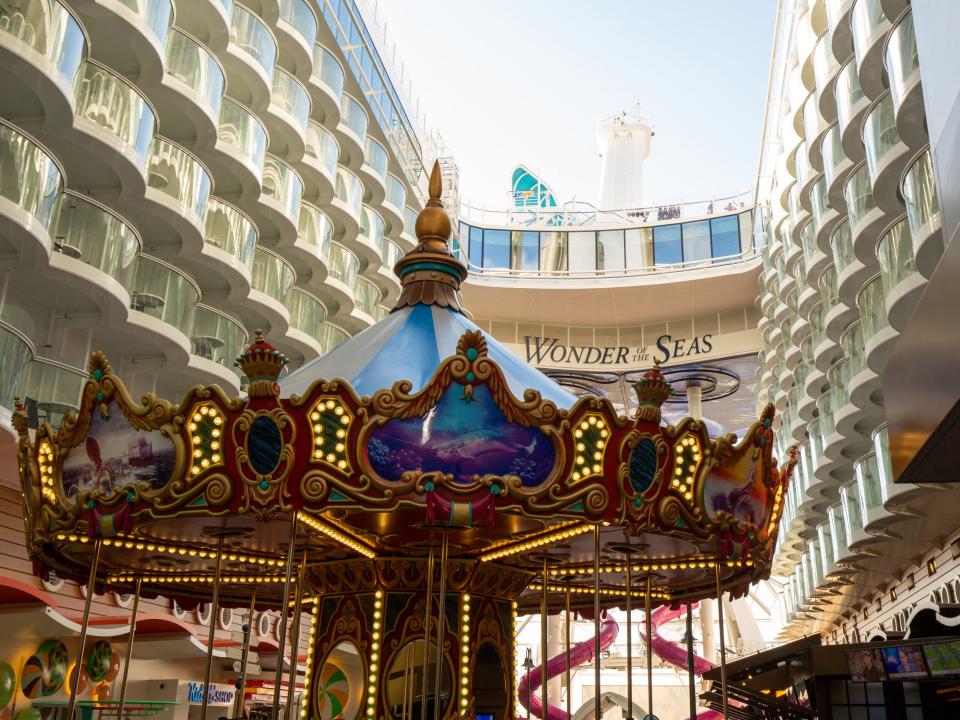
(194, 65)
(349, 190)
(331, 336)
(836, 9)
(813, 121)
(825, 63)
(282, 185)
(852, 343)
(372, 226)
(250, 34)
(396, 192)
(902, 60)
(805, 173)
(164, 292)
(829, 289)
(53, 389)
(920, 197)
(895, 253)
(842, 244)
(115, 105)
(87, 231)
(868, 24)
(375, 157)
(827, 422)
(157, 14)
(343, 264)
(354, 117)
(322, 147)
(380, 312)
(328, 69)
(838, 529)
(367, 296)
(410, 223)
(852, 513)
(240, 128)
(29, 178)
(178, 174)
(833, 155)
(818, 324)
(298, 15)
(49, 29)
(879, 133)
(15, 355)
(230, 230)
(868, 483)
(819, 202)
(839, 378)
(858, 192)
(307, 313)
(849, 95)
(217, 336)
(881, 446)
(808, 241)
(871, 302)
(271, 275)
(389, 253)
(291, 97)
(315, 230)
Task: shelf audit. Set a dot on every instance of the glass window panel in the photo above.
(696, 241)
(496, 248)
(666, 245)
(857, 692)
(553, 251)
(524, 250)
(475, 246)
(725, 236)
(583, 252)
(639, 248)
(875, 693)
(610, 255)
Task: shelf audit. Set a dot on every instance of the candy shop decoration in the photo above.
(8, 683)
(99, 661)
(45, 671)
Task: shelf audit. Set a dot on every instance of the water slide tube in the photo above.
(675, 654)
(580, 654)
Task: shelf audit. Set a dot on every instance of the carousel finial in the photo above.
(652, 392)
(429, 273)
(262, 363)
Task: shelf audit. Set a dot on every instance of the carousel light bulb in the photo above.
(578, 433)
(196, 417)
(218, 420)
(192, 426)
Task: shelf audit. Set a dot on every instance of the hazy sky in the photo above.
(524, 81)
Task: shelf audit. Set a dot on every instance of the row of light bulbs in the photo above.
(127, 543)
(375, 654)
(608, 592)
(308, 673)
(513, 547)
(464, 652)
(45, 463)
(352, 542)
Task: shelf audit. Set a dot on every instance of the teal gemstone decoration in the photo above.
(264, 485)
(767, 422)
(470, 376)
(429, 486)
(97, 374)
(494, 489)
(100, 396)
(638, 501)
(761, 442)
(472, 354)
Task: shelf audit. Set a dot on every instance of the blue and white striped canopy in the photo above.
(409, 344)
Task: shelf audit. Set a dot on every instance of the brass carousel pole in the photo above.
(427, 622)
(690, 673)
(295, 636)
(543, 642)
(84, 625)
(629, 641)
(214, 611)
(723, 643)
(441, 662)
(649, 648)
(245, 653)
(598, 713)
(566, 644)
(130, 640)
(278, 677)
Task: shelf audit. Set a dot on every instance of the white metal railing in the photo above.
(584, 214)
(742, 257)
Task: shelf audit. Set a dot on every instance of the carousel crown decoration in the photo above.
(262, 363)
(652, 392)
(430, 274)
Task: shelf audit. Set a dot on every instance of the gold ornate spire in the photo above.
(430, 274)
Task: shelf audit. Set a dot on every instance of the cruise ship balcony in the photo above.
(237, 159)
(271, 280)
(216, 340)
(374, 172)
(250, 59)
(886, 154)
(326, 86)
(318, 167)
(852, 103)
(229, 241)
(310, 251)
(898, 268)
(902, 62)
(869, 26)
(307, 315)
(163, 300)
(919, 192)
(351, 132)
(279, 204)
(393, 204)
(178, 190)
(287, 115)
(346, 208)
(297, 35)
(188, 102)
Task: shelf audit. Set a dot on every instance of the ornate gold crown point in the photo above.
(262, 363)
(652, 392)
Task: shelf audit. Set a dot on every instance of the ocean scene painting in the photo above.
(115, 455)
(738, 490)
(462, 439)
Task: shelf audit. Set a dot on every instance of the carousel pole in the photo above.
(629, 641)
(295, 636)
(566, 644)
(278, 678)
(247, 634)
(427, 622)
(441, 663)
(598, 713)
(214, 611)
(648, 600)
(84, 625)
(130, 640)
(690, 673)
(723, 643)
(543, 642)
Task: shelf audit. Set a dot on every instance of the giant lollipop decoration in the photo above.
(99, 661)
(45, 670)
(8, 683)
(332, 690)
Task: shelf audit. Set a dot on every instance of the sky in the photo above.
(525, 81)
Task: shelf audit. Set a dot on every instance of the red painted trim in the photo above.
(17, 592)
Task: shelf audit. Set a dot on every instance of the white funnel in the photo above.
(624, 141)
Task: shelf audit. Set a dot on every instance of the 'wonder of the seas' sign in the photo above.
(666, 349)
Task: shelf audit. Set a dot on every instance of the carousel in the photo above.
(407, 495)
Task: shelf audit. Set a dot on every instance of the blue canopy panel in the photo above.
(409, 344)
